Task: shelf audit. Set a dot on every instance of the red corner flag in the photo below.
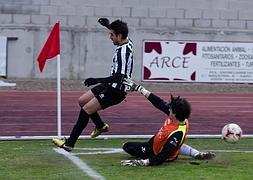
(51, 47)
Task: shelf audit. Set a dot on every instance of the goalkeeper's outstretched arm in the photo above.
(143, 91)
(154, 99)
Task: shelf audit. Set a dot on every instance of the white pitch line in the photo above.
(98, 151)
(119, 150)
(90, 172)
(81, 164)
(231, 151)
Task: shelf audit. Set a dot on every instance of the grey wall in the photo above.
(86, 49)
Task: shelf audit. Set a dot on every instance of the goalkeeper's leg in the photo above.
(196, 154)
(138, 149)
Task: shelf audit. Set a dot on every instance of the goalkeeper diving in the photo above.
(168, 142)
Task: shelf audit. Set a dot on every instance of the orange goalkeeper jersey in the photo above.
(169, 127)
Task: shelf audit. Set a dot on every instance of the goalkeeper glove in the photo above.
(133, 86)
(135, 162)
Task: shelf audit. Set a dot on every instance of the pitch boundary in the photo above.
(90, 151)
(112, 137)
(80, 164)
(93, 151)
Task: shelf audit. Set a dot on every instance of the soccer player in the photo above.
(167, 143)
(110, 92)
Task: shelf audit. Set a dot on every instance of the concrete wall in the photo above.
(86, 49)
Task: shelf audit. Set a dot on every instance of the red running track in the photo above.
(35, 113)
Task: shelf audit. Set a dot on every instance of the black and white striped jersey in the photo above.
(122, 61)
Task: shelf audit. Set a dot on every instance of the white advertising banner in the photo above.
(197, 61)
(3, 56)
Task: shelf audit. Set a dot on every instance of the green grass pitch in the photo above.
(36, 159)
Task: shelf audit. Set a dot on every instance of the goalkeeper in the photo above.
(167, 143)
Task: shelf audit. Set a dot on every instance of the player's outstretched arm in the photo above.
(116, 78)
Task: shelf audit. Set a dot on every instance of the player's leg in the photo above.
(107, 97)
(138, 149)
(100, 126)
(82, 121)
(68, 143)
(80, 124)
(85, 98)
(196, 154)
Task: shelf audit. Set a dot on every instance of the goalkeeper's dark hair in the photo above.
(119, 27)
(180, 107)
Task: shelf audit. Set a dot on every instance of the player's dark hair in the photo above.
(119, 27)
(180, 107)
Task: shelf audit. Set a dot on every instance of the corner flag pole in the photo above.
(51, 48)
(58, 96)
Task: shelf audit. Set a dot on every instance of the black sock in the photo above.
(81, 123)
(97, 120)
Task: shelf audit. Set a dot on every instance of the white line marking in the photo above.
(231, 151)
(193, 136)
(98, 151)
(82, 165)
(93, 174)
(119, 150)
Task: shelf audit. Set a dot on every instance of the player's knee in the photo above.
(125, 147)
(80, 102)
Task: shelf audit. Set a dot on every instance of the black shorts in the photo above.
(108, 96)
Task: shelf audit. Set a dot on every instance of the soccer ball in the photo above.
(231, 133)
